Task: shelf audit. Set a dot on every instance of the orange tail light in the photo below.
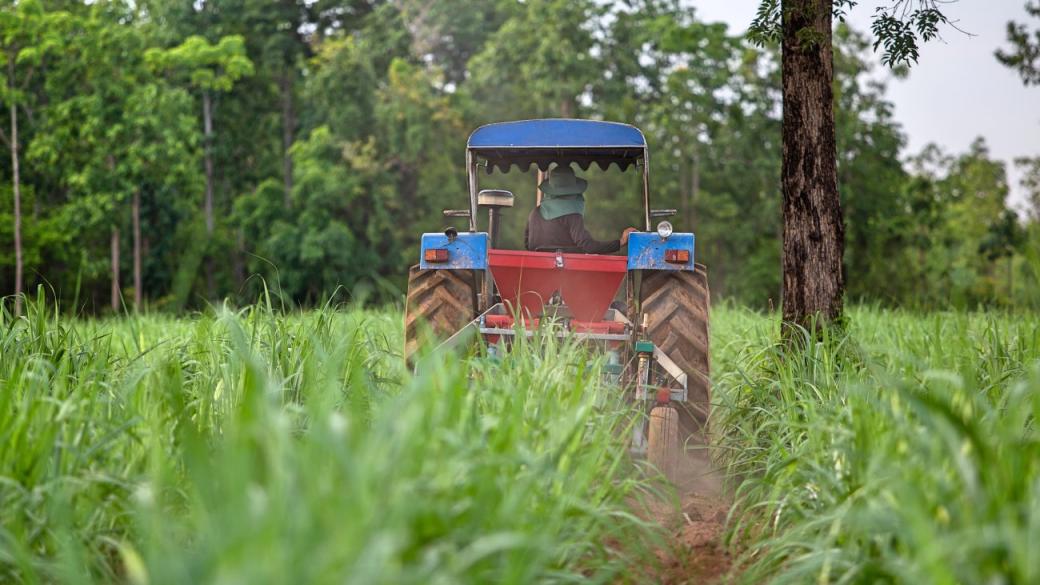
(436, 255)
(677, 256)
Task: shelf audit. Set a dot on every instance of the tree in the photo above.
(208, 69)
(314, 246)
(363, 96)
(1030, 182)
(1024, 56)
(814, 230)
(953, 201)
(278, 36)
(814, 227)
(704, 61)
(156, 139)
(111, 133)
(447, 33)
(280, 30)
(539, 63)
(1003, 238)
(27, 35)
(1030, 167)
(872, 178)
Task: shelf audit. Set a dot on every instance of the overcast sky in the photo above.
(957, 90)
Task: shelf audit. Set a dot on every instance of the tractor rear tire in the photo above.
(440, 302)
(677, 306)
(663, 441)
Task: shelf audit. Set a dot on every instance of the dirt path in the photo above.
(696, 554)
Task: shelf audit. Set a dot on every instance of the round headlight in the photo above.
(664, 229)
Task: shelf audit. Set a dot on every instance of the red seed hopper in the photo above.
(585, 283)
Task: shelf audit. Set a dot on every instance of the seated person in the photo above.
(558, 223)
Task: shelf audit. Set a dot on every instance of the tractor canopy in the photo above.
(556, 140)
(560, 141)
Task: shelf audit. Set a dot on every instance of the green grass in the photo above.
(905, 452)
(250, 447)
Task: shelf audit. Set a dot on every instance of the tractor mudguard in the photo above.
(649, 251)
(463, 251)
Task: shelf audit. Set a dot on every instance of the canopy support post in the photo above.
(646, 186)
(471, 169)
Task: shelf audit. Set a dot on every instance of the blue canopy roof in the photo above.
(560, 141)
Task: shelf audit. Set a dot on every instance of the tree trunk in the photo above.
(207, 125)
(285, 82)
(17, 188)
(115, 269)
(814, 232)
(567, 108)
(135, 216)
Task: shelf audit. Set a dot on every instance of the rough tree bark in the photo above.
(135, 218)
(115, 269)
(814, 232)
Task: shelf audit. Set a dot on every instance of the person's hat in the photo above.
(562, 181)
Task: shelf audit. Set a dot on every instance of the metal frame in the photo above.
(471, 169)
(472, 163)
(679, 394)
(646, 186)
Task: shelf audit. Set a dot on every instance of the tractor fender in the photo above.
(649, 251)
(461, 251)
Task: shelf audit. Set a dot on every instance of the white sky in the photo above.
(958, 90)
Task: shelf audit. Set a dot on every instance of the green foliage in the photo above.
(450, 32)
(904, 452)
(1030, 168)
(770, 17)
(107, 129)
(1024, 55)
(253, 446)
(206, 66)
(1003, 237)
(266, 447)
(339, 137)
(543, 54)
(342, 67)
(898, 28)
(312, 248)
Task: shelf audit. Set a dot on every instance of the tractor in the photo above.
(647, 309)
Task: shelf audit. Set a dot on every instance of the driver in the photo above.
(559, 221)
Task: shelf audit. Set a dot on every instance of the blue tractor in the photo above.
(647, 310)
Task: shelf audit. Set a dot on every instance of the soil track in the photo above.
(695, 553)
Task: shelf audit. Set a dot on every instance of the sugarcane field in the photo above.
(520, 291)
